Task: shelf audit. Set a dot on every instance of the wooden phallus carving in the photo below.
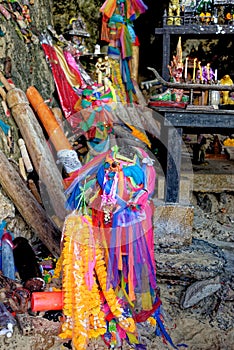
(38, 149)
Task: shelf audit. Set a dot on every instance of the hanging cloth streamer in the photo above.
(71, 77)
(5, 128)
(74, 68)
(134, 8)
(67, 96)
(129, 241)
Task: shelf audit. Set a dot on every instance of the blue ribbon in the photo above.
(4, 127)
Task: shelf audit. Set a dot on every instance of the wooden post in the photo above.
(173, 165)
(38, 149)
(166, 55)
(32, 212)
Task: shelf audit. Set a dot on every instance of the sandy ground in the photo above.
(194, 327)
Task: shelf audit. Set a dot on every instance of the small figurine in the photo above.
(99, 70)
(177, 66)
(103, 69)
(174, 13)
(77, 27)
(204, 9)
(26, 14)
(199, 150)
(226, 80)
(107, 66)
(97, 50)
(77, 31)
(216, 145)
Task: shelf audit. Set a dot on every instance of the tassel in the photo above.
(132, 338)
(139, 7)
(139, 134)
(146, 301)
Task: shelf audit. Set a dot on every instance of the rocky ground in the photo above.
(197, 284)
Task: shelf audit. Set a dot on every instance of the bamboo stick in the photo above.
(5, 82)
(25, 156)
(22, 169)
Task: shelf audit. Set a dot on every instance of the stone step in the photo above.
(215, 176)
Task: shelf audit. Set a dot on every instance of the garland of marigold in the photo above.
(117, 81)
(84, 318)
(82, 305)
(58, 267)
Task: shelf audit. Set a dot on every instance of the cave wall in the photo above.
(63, 12)
(28, 65)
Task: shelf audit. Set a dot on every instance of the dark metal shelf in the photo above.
(196, 29)
(175, 121)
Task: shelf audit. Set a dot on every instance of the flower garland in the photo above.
(82, 304)
(117, 81)
(87, 302)
(58, 267)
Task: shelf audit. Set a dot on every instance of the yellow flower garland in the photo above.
(84, 318)
(58, 267)
(117, 81)
(229, 142)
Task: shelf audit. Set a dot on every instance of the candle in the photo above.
(208, 71)
(186, 68)
(216, 74)
(200, 70)
(194, 68)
